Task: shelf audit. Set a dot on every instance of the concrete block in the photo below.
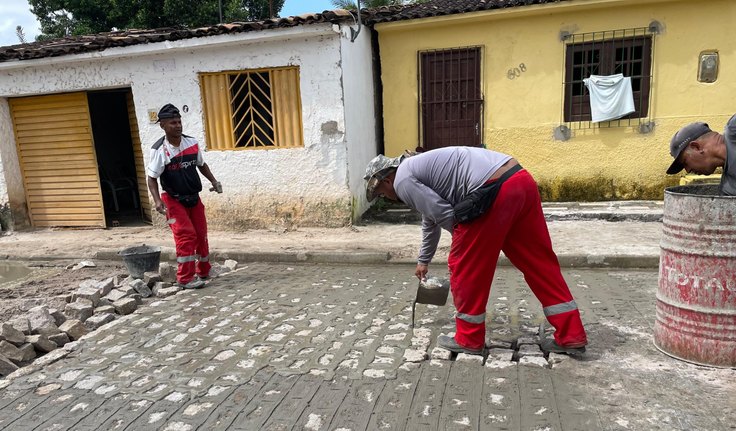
(11, 334)
(98, 320)
(74, 328)
(78, 311)
(89, 283)
(527, 340)
(230, 264)
(125, 306)
(530, 350)
(412, 355)
(501, 354)
(533, 361)
(41, 343)
(464, 357)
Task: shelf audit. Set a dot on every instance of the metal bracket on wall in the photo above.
(647, 127)
(562, 133)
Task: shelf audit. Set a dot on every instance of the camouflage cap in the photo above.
(378, 168)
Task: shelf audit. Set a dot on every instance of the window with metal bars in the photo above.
(252, 109)
(628, 52)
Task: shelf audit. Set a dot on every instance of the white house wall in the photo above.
(284, 187)
(360, 114)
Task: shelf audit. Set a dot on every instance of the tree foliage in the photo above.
(61, 18)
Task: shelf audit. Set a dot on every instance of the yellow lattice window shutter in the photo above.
(252, 109)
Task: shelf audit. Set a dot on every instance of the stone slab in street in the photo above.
(320, 347)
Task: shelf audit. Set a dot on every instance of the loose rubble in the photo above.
(30, 338)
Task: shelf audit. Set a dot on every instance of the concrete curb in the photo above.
(368, 258)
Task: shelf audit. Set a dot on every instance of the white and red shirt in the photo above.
(177, 166)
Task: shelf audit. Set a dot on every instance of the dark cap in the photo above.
(168, 111)
(681, 140)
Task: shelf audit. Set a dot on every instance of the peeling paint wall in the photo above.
(292, 186)
(521, 113)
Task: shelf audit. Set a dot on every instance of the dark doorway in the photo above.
(115, 157)
(451, 98)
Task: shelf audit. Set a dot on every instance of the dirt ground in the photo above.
(47, 284)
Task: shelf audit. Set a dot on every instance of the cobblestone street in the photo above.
(320, 347)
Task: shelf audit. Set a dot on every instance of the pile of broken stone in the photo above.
(95, 303)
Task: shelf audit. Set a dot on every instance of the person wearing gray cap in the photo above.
(489, 204)
(698, 149)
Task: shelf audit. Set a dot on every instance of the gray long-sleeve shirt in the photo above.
(433, 182)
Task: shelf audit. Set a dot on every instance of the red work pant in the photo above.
(190, 236)
(516, 225)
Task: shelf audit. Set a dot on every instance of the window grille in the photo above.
(627, 51)
(252, 109)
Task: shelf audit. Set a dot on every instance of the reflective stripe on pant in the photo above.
(515, 225)
(190, 237)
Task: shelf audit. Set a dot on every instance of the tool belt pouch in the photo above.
(188, 201)
(481, 199)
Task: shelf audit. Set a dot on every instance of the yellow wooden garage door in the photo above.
(57, 156)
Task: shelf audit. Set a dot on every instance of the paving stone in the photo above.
(75, 329)
(167, 272)
(22, 324)
(106, 286)
(527, 340)
(167, 291)
(89, 283)
(530, 350)
(116, 294)
(125, 306)
(58, 316)
(39, 317)
(79, 311)
(230, 264)
(6, 366)
(41, 343)
(105, 309)
(11, 334)
(464, 357)
(28, 352)
(151, 278)
(501, 354)
(411, 355)
(90, 293)
(536, 361)
(48, 330)
(442, 354)
(60, 339)
(98, 320)
(9, 351)
(141, 287)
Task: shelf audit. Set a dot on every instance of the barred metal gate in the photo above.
(451, 101)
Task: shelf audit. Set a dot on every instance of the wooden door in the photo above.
(451, 98)
(56, 151)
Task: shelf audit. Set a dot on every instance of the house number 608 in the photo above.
(516, 71)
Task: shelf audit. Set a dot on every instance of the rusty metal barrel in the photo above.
(696, 295)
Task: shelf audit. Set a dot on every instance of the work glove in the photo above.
(216, 187)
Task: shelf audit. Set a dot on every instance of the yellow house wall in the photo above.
(520, 114)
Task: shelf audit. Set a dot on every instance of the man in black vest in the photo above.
(175, 159)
